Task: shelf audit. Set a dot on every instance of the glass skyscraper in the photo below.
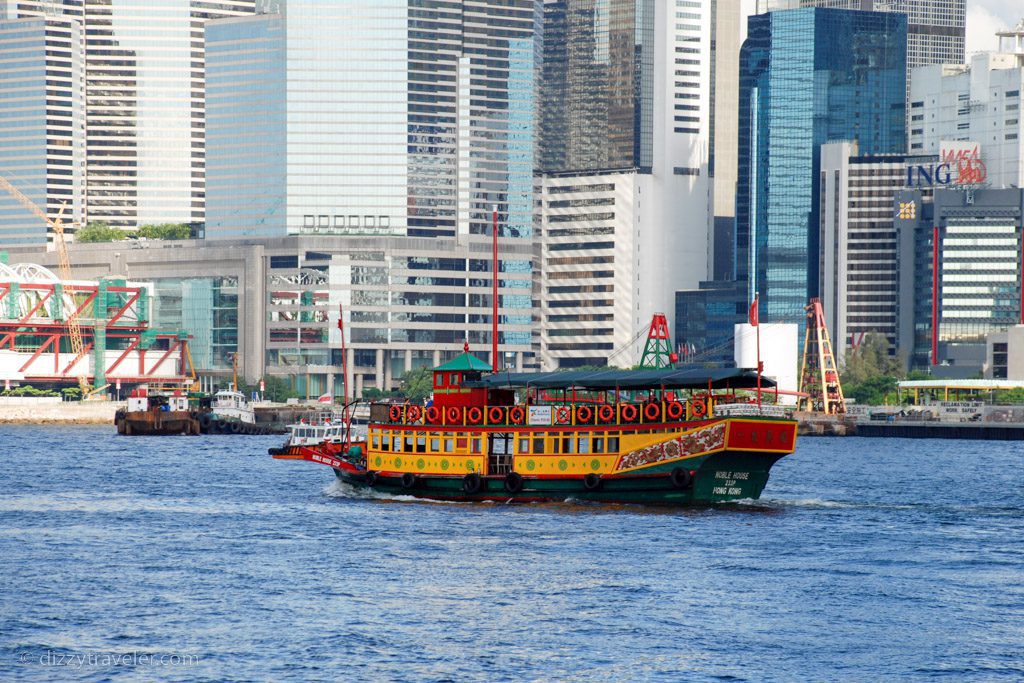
(798, 90)
(417, 123)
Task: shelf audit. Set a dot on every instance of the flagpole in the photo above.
(757, 328)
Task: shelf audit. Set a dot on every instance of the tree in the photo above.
(874, 391)
(165, 231)
(418, 384)
(99, 231)
(871, 359)
(276, 389)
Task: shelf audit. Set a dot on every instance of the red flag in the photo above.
(753, 313)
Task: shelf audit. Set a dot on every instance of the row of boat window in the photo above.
(536, 442)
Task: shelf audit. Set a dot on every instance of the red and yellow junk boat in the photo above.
(623, 436)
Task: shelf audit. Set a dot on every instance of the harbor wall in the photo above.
(43, 411)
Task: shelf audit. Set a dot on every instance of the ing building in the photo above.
(797, 92)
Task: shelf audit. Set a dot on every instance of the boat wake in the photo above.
(340, 489)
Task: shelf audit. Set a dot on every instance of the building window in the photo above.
(308, 221)
(353, 221)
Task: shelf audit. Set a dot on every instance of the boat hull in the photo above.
(156, 423)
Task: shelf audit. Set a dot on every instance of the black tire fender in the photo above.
(513, 482)
(681, 478)
(408, 480)
(592, 482)
(472, 482)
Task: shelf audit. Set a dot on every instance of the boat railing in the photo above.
(567, 414)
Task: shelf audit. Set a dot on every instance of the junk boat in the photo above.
(665, 436)
(156, 414)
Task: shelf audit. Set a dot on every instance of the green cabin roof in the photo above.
(465, 361)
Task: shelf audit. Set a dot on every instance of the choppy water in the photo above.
(201, 558)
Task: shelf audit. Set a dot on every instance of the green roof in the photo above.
(666, 378)
(465, 361)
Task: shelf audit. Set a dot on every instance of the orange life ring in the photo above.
(516, 415)
(395, 413)
(674, 409)
(652, 411)
(563, 415)
(474, 415)
(606, 413)
(433, 415)
(628, 411)
(698, 408)
(584, 414)
(412, 414)
(496, 415)
(454, 415)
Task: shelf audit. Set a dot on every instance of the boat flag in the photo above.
(325, 398)
(753, 313)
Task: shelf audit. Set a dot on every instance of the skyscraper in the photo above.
(144, 103)
(625, 156)
(796, 93)
(417, 124)
(42, 139)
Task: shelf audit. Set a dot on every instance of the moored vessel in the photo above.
(156, 414)
(647, 436)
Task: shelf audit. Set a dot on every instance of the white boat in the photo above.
(231, 406)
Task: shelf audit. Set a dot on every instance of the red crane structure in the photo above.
(819, 376)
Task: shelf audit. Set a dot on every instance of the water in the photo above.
(201, 558)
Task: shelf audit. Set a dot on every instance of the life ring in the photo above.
(606, 413)
(628, 411)
(698, 408)
(563, 415)
(454, 415)
(433, 415)
(584, 414)
(474, 415)
(674, 409)
(592, 482)
(513, 482)
(652, 411)
(408, 480)
(681, 478)
(496, 415)
(516, 415)
(472, 482)
(412, 413)
(370, 478)
(395, 413)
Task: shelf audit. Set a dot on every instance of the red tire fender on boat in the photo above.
(516, 415)
(606, 413)
(496, 415)
(584, 414)
(628, 412)
(433, 415)
(674, 410)
(395, 413)
(474, 415)
(454, 415)
(698, 407)
(563, 415)
(652, 411)
(412, 414)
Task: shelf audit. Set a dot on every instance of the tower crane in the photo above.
(74, 330)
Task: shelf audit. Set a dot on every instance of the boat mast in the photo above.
(494, 292)
(346, 418)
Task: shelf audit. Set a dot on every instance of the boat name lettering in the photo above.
(727, 491)
(732, 475)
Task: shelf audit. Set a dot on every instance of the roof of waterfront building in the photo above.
(668, 378)
(973, 384)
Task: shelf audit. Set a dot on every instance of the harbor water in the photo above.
(201, 558)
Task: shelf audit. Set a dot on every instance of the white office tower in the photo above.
(979, 102)
(624, 154)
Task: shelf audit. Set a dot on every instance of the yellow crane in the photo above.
(74, 331)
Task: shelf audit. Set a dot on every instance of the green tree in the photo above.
(165, 231)
(873, 391)
(276, 389)
(99, 231)
(871, 359)
(1009, 397)
(417, 384)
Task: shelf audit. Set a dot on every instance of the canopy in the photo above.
(668, 378)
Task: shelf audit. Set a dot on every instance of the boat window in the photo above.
(396, 444)
(461, 443)
(437, 379)
(598, 444)
(375, 441)
(385, 443)
(453, 379)
(408, 444)
(584, 444)
(435, 444)
(476, 446)
(524, 445)
(613, 444)
(568, 444)
(449, 445)
(421, 444)
(555, 443)
(538, 442)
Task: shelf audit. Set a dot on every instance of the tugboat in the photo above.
(156, 414)
(661, 436)
(229, 413)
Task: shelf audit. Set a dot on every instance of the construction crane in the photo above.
(74, 330)
(819, 376)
